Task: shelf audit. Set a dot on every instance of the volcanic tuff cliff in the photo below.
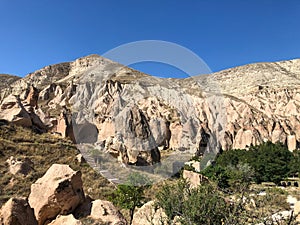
(135, 116)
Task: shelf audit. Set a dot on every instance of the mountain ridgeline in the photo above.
(136, 117)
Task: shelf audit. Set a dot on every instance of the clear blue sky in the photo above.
(36, 33)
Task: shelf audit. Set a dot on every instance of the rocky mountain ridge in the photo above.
(135, 117)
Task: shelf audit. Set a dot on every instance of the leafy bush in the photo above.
(270, 162)
(218, 174)
(203, 205)
(207, 205)
(267, 162)
(131, 194)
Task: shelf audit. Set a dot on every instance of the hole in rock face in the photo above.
(85, 133)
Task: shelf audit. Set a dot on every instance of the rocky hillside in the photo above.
(5, 81)
(137, 118)
(25, 156)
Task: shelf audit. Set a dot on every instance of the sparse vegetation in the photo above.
(43, 150)
(203, 205)
(207, 204)
(229, 198)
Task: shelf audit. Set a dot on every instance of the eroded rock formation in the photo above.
(19, 166)
(135, 116)
(58, 192)
(106, 211)
(57, 198)
(16, 211)
(150, 214)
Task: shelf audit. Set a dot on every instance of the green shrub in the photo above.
(131, 194)
(267, 162)
(203, 205)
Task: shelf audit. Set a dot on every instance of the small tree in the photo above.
(131, 194)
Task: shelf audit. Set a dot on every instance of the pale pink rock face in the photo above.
(59, 191)
(106, 212)
(135, 115)
(17, 211)
(65, 220)
(194, 179)
(297, 210)
(19, 166)
(148, 215)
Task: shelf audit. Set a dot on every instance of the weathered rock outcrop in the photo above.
(17, 212)
(134, 116)
(5, 84)
(65, 220)
(100, 211)
(13, 110)
(148, 214)
(59, 191)
(297, 210)
(24, 112)
(57, 198)
(194, 179)
(106, 212)
(32, 97)
(19, 166)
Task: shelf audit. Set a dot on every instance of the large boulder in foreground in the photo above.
(149, 214)
(107, 213)
(100, 211)
(16, 211)
(66, 220)
(297, 211)
(59, 191)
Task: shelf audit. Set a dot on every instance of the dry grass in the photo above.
(43, 150)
